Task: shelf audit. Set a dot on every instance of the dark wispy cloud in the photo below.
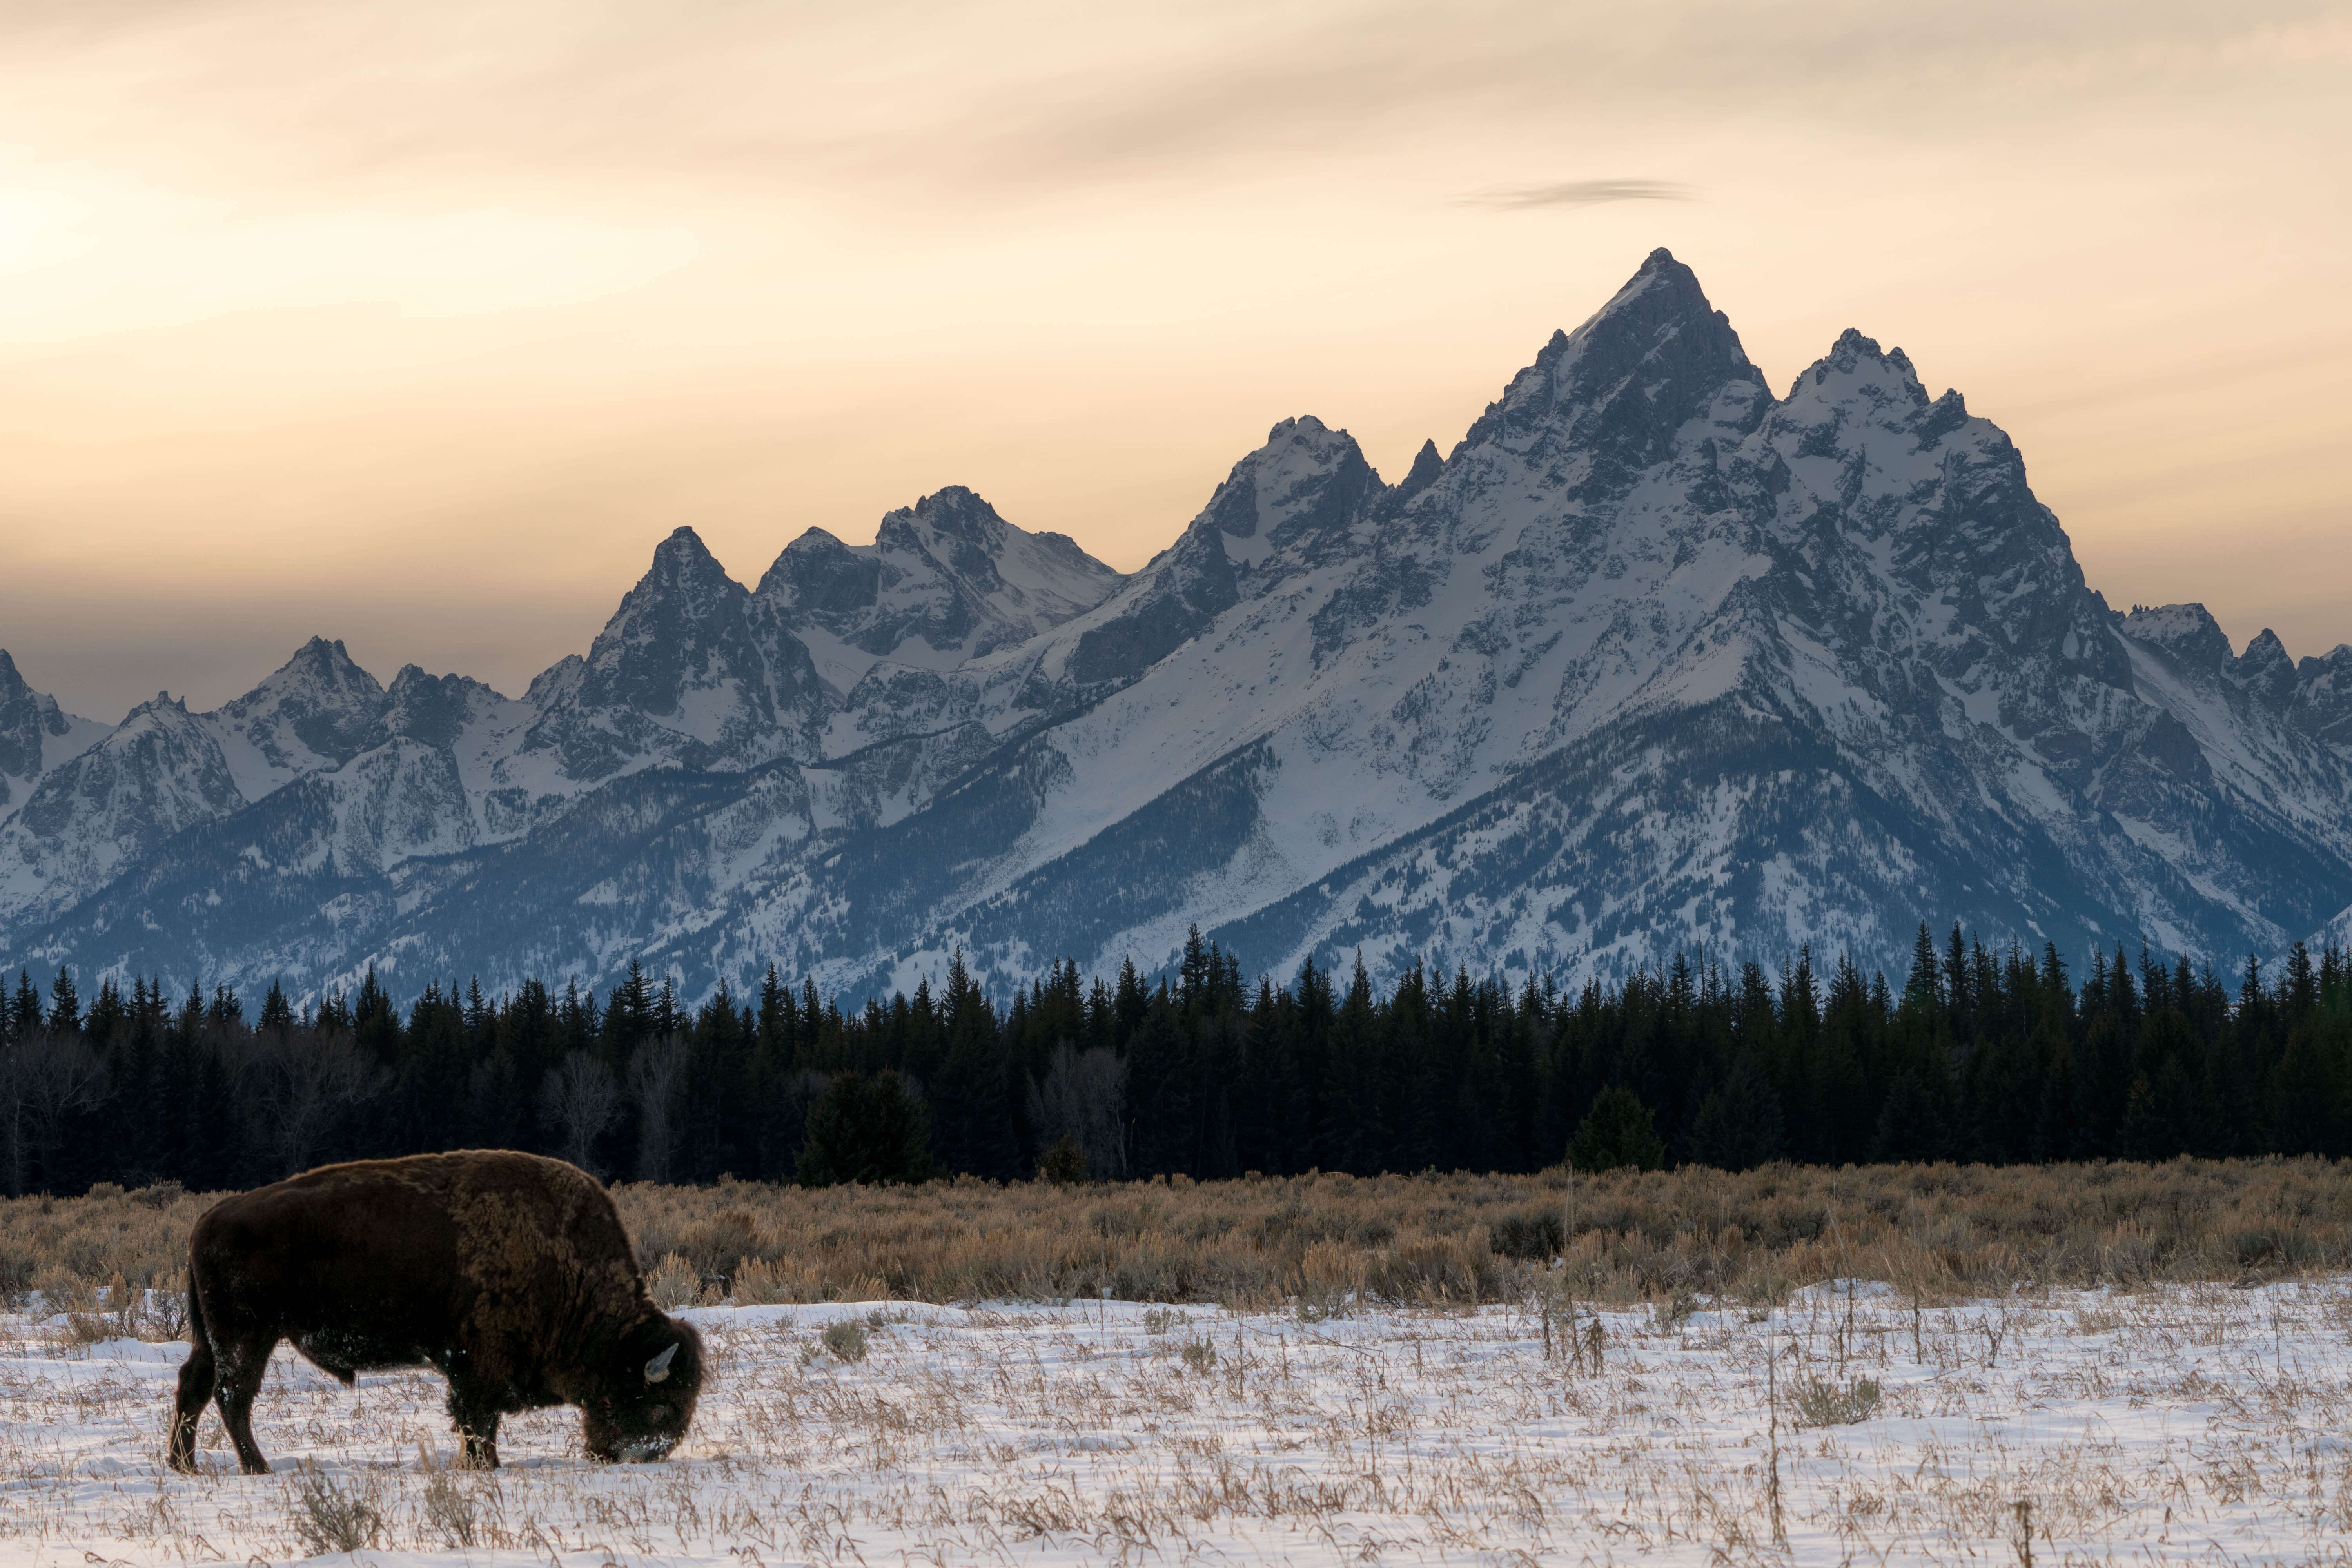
(1577, 193)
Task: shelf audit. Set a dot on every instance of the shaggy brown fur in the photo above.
(508, 1274)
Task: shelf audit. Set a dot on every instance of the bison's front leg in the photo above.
(476, 1416)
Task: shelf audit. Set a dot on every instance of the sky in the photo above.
(420, 325)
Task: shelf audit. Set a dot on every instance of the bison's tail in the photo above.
(199, 1335)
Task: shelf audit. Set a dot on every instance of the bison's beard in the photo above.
(605, 1444)
(609, 1441)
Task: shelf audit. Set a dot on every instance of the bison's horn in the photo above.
(658, 1368)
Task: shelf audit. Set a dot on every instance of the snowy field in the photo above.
(2178, 1423)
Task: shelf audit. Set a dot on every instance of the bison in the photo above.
(508, 1274)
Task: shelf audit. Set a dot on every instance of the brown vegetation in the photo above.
(1932, 1231)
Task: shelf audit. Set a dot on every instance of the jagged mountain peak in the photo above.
(36, 735)
(820, 574)
(434, 708)
(953, 511)
(162, 707)
(2188, 632)
(1426, 466)
(2264, 671)
(683, 567)
(414, 677)
(1292, 501)
(2323, 697)
(157, 772)
(318, 708)
(946, 579)
(320, 671)
(1307, 478)
(678, 674)
(1858, 363)
(683, 585)
(1620, 386)
(25, 716)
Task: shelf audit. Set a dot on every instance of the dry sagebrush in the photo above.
(1932, 1231)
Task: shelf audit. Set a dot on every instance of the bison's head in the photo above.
(648, 1394)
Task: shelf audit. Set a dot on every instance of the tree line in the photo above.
(1982, 1054)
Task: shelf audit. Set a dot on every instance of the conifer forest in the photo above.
(1976, 1055)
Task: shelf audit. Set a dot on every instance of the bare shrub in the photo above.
(1082, 1101)
(164, 1317)
(450, 1509)
(64, 1289)
(846, 1340)
(760, 1282)
(1820, 1404)
(578, 1101)
(673, 1283)
(657, 1080)
(297, 1085)
(44, 1079)
(330, 1518)
(717, 1246)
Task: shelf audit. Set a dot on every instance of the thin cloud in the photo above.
(1577, 193)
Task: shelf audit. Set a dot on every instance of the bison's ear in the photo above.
(658, 1368)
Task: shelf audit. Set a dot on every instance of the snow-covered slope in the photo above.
(1652, 658)
(36, 735)
(92, 817)
(107, 797)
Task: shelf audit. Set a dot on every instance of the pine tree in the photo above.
(864, 1129)
(972, 1122)
(1920, 990)
(65, 1003)
(276, 1013)
(1617, 1131)
(1910, 1123)
(1739, 1125)
(23, 1011)
(630, 1015)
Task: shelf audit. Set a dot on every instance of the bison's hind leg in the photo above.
(242, 1362)
(476, 1416)
(195, 1393)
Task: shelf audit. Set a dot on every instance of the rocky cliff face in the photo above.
(1652, 658)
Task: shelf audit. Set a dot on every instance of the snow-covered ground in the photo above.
(2196, 1423)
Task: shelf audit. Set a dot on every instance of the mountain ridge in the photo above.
(1651, 659)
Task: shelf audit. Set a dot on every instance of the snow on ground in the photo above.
(2174, 1423)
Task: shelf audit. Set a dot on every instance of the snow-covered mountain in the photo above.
(99, 807)
(36, 735)
(945, 580)
(1652, 658)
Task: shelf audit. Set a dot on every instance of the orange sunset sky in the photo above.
(419, 325)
